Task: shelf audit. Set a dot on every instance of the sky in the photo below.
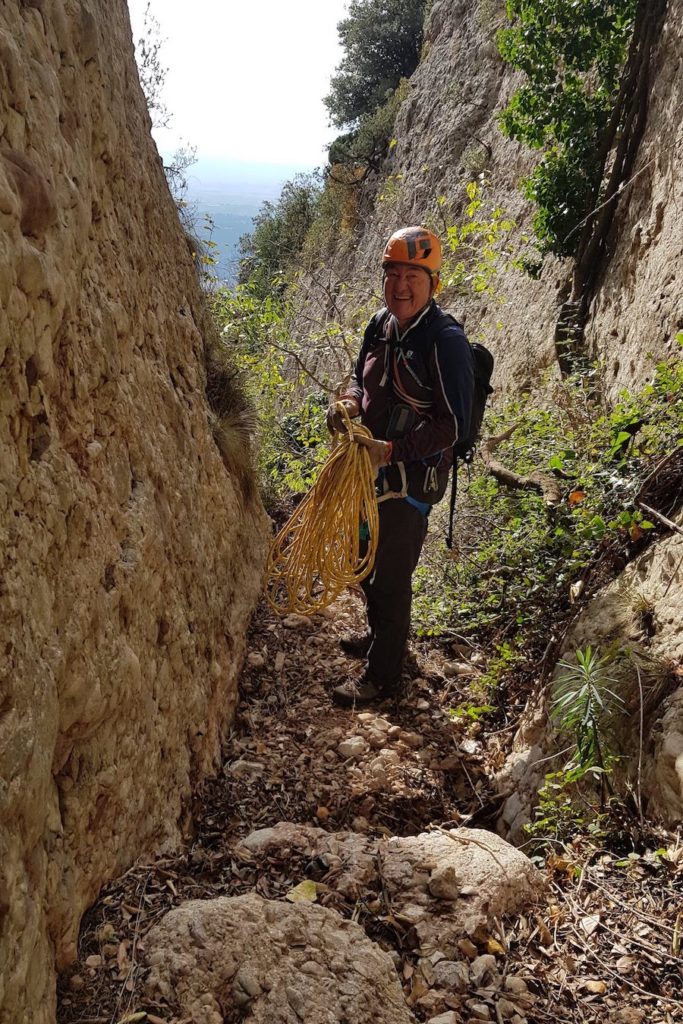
(246, 80)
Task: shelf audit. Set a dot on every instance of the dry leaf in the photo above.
(589, 924)
(598, 988)
(306, 892)
(122, 956)
(495, 947)
(418, 988)
(468, 948)
(132, 1018)
(279, 661)
(544, 933)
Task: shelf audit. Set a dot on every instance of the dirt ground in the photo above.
(604, 945)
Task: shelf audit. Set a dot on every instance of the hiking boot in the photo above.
(357, 692)
(356, 645)
(411, 664)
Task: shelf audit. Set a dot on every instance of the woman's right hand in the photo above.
(335, 418)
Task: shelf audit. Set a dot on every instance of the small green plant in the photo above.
(563, 810)
(581, 704)
(473, 712)
(476, 246)
(391, 192)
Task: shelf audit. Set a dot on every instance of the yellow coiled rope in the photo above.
(316, 554)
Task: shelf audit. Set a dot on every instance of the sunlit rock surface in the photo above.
(447, 883)
(129, 558)
(274, 963)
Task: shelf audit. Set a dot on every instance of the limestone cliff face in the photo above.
(639, 307)
(129, 558)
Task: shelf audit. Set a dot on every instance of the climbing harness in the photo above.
(317, 553)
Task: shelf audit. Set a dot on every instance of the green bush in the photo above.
(270, 253)
(518, 559)
(572, 53)
(382, 40)
(256, 339)
(366, 145)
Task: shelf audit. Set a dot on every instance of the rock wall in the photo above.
(129, 557)
(639, 307)
(446, 136)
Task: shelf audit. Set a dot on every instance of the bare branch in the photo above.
(536, 481)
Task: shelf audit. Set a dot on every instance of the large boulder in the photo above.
(275, 963)
(447, 884)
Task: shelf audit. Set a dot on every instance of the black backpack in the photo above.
(463, 449)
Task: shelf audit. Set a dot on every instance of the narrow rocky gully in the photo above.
(349, 871)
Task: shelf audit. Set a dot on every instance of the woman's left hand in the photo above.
(379, 451)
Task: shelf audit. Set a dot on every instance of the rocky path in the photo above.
(354, 824)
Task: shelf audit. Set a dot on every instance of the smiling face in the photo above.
(407, 290)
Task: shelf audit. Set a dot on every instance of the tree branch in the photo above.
(536, 481)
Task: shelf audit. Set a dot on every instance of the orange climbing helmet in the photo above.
(415, 246)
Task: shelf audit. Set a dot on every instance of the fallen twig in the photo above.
(465, 841)
(658, 515)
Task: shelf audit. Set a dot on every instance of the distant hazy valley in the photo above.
(231, 195)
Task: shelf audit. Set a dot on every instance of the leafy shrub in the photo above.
(476, 247)
(382, 40)
(519, 561)
(572, 53)
(256, 339)
(367, 144)
(269, 254)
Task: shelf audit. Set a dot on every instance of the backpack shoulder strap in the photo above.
(451, 511)
(436, 325)
(376, 326)
(432, 332)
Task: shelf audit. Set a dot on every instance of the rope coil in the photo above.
(316, 554)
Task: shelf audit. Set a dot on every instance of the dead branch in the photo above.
(658, 515)
(300, 363)
(536, 481)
